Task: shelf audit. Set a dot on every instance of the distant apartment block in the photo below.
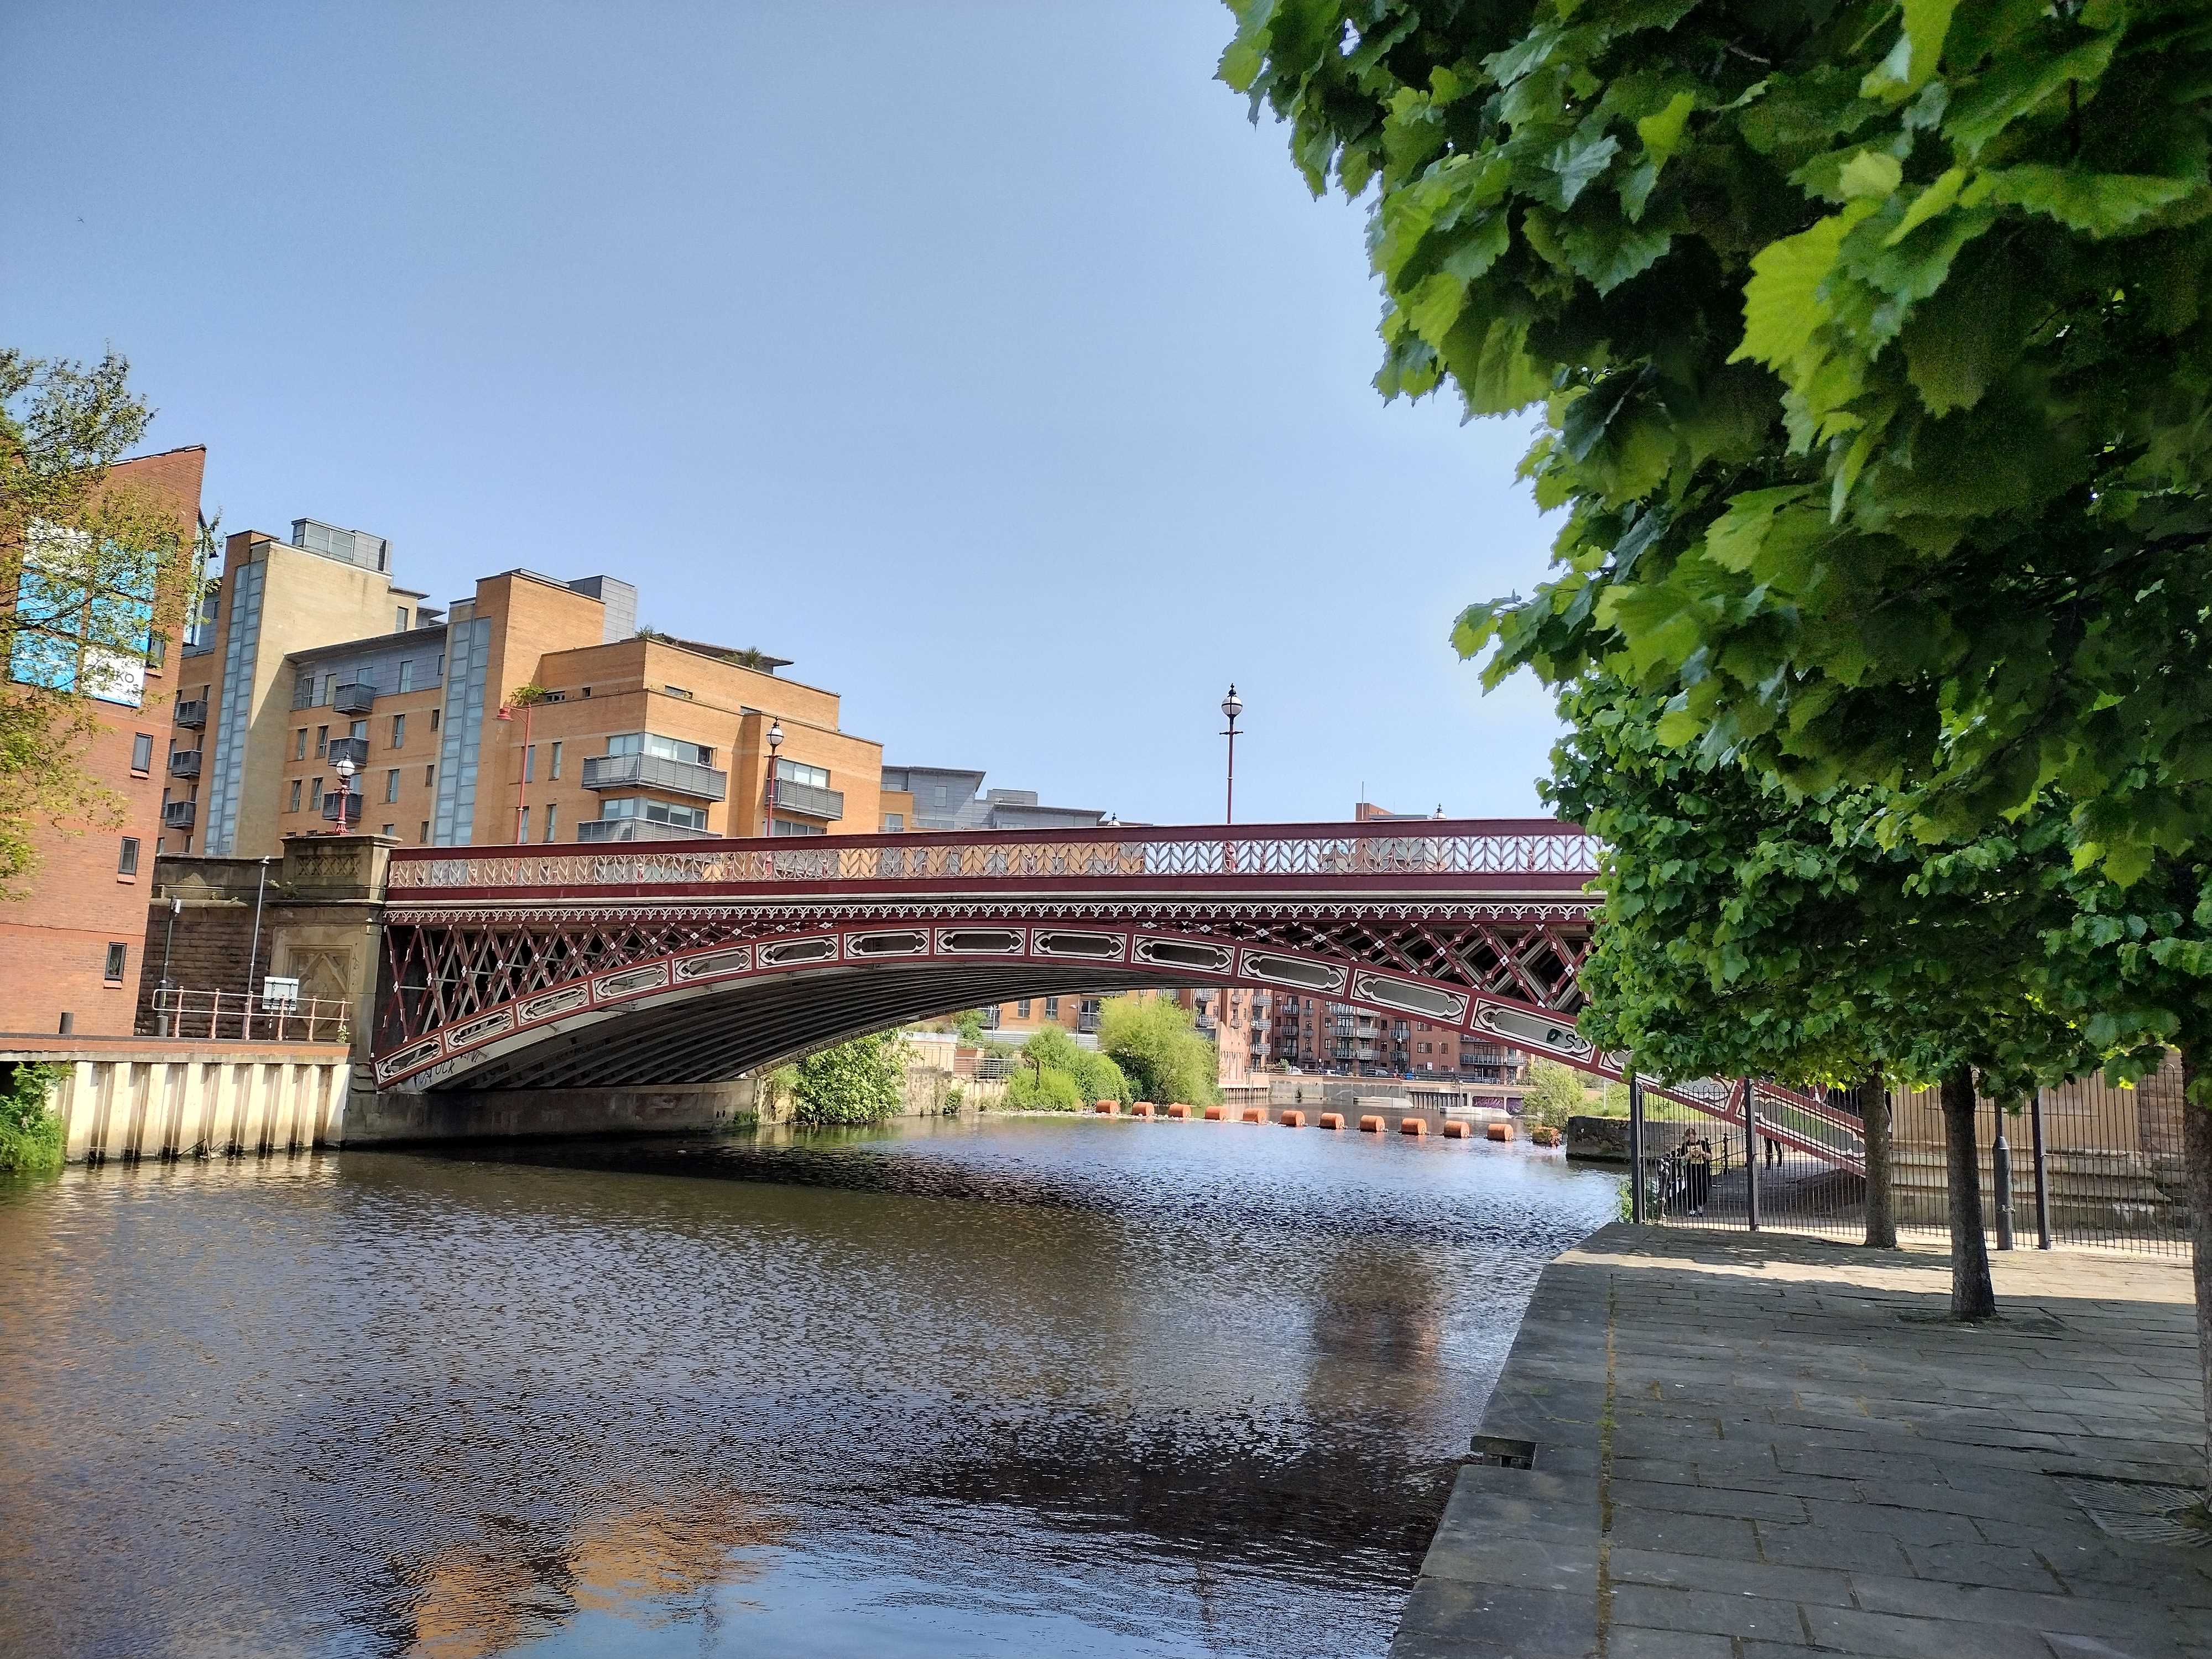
(949, 798)
(308, 655)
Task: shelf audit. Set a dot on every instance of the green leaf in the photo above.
(2098, 204)
(1871, 172)
(1919, 50)
(1608, 252)
(1662, 133)
(1575, 162)
(1783, 303)
(1734, 538)
(2016, 85)
(1936, 199)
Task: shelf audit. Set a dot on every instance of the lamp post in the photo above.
(345, 793)
(522, 784)
(774, 743)
(1232, 706)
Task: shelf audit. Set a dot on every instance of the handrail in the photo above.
(1531, 847)
(237, 1016)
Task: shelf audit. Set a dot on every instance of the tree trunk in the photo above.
(1871, 1096)
(1972, 1296)
(2197, 1158)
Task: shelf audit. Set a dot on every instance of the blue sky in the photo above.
(983, 359)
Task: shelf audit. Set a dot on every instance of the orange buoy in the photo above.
(1178, 1110)
(1294, 1120)
(1253, 1114)
(1215, 1113)
(1371, 1125)
(1108, 1107)
(1498, 1132)
(1332, 1120)
(1412, 1126)
(1142, 1109)
(1454, 1130)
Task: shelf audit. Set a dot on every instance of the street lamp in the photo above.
(345, 791)
(1232, 706)
(774, 743)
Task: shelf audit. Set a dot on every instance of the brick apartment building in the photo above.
(309, 654)
(72, 947)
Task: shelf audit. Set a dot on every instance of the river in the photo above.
(1014, 1385)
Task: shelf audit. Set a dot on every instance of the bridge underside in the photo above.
(707, 1034)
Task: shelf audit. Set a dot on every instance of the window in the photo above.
(295, 806)
(798, 827)
(677, 691)
(1052, 1007)
(552, 815)
(587, 690)
(423, 837)
(557, 767)
(322, 740)
(358, 729)
(314, 795)
(71, 636)
(157, 653)
(127, 863)
(300, 743)
(655, 812)
(430, 775)
(142, 752)
(435, 713)
(399, 731)
(790, 771)
(893, 822)
(398, 626)
(1022, 1009)
(391, 784)
(407, 674)
(386, 830)
(303, 690)
(530, 764)
(939, 795)
(523, 833)
(117, 956)
(652, 743)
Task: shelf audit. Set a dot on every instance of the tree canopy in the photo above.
(1159, 1050)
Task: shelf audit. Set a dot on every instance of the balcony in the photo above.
(353, 748)
(804, 800)
(675, 777)
(185, 763)
(192, 712)
(342, 810)
(1088, 1023)
(637, 829)
(357, 698)
(178, 814)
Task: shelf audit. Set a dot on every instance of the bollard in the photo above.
(1216, 1114)
(2001, 1176)
(1332, 1120)
(1178, 1110)
(1412, 1126)
(1371, 1125)
(1498, 1132)
(1454, 1130)
(1294, 1120)
(1253, 1114)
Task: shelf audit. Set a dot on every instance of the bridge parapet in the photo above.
(1534, 854)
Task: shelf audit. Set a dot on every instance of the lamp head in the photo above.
(1232, 705)
(774, 736)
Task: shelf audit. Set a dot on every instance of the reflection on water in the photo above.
(1033, 1387)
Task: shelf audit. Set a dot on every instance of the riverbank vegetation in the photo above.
(30, 1130)
(1159, 1050)
(1057, 1074)
(859, 1081)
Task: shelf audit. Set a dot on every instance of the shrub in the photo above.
(1159, 1050)
(1098, 1077)
(1043, 1089)
(30, 1131)
(861, 1081)
(1555, 1093)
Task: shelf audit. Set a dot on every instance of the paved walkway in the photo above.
(1753, 1449)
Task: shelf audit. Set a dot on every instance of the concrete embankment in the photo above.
(131, 1098)
(1707, 1444)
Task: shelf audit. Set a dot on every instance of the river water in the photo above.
(1018, 1387)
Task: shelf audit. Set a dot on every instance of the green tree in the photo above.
(30, 1130)
(1555, 1093)
(1159, 1050)
(859, 1081)
(1094, 1077)
(1043, 1089)
(92, 573)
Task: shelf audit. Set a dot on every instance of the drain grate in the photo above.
(2142, 1512)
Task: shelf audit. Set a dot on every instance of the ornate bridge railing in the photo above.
(1438, 852)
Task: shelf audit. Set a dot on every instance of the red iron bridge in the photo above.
(696, 961)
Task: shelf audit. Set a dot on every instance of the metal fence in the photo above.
(2089, 1165)
(235, 1017)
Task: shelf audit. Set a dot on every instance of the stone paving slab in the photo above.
(1749, 1448)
